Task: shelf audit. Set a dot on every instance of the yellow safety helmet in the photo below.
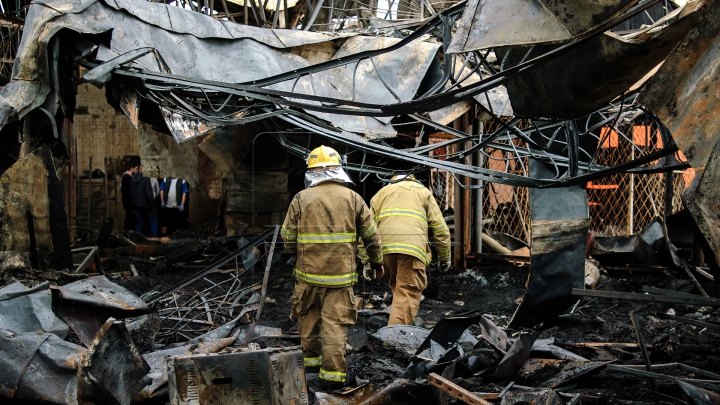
(323, 156)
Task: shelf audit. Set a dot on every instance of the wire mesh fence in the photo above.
(620, 204)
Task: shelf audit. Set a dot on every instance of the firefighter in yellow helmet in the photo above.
(404, 210)
(322, 227)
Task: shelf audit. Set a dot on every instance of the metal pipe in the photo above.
(478, 203)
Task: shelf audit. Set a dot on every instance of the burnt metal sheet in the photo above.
(696, 395)
(38, 367)
(16, 352)
(557, 253)
(447, 331)
(642, 248)
(25, 309)
(216, 46)
(100, 292)
(86, 304)
(684, 94)
(585, 78)
(541, 397)
(491, 23)
(516, 356)
(379, 80)
(177, 19)
(112, 370)
(51, 375)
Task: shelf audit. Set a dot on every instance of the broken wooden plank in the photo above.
(702, 301)
(455, 390)
(688, 321)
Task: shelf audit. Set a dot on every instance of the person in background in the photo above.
(173, 201)
(126, 191)
(144, 204)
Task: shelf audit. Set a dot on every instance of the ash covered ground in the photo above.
(494, 289)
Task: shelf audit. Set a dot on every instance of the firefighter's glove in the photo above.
(444, 266)
(378, 270)
(372, 272)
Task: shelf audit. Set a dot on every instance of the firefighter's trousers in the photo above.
(324, 314)
(407, 282)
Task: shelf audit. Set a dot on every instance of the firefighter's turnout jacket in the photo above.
(404, 211)
(322, 227)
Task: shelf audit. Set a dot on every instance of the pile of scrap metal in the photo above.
(75, 343)
(492, 359)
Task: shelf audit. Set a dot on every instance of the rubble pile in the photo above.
(163, 331)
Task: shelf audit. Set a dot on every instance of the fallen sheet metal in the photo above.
(542, 397)
(489, 23)
(38, 367)
(405, 337)
(696, 395)
(684, 95)
(112, 370)
(545, 347)
(641, 248)
(516, 356)
(596, 72)
(25, 309)
(86, 304)
(135, 25)
(557, 261)
(447, 331)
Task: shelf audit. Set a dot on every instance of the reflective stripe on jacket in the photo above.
(404, 211)
(322, 226)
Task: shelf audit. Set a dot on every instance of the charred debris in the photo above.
(570, 144)
(172, 321)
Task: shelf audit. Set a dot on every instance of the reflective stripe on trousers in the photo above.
(313, 361)
(334, 376)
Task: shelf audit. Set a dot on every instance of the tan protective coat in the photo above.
(403, 212)
(322, 226)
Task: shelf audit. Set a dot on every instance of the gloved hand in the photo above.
(444, 266)
(372, 272)
(162, 203)
(181, 208)
(379, 270)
